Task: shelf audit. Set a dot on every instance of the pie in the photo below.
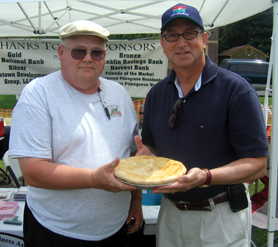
(149, 170)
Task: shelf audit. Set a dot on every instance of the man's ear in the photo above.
(60, 51)
(205, 40)
(162, 44)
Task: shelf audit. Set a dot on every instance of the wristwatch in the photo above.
(209, 176)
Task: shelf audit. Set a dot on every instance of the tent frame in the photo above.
(272, 195)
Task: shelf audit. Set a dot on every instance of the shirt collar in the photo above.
(197, 86)
(210, 71)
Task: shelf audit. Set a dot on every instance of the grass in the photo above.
(259, 235)
(269, 100)
(7, 101)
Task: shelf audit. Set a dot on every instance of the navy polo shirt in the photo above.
(219, 123)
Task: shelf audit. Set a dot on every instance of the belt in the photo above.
(199, 206)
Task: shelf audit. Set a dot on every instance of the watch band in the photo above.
(208, 181)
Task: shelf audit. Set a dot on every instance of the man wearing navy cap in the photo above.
(68, 143)
(211, 120)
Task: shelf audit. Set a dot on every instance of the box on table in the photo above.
(150, 215)
(150, 199)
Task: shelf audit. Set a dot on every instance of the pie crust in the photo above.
(149, 170)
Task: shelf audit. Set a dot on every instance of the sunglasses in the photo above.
(80, 53)
(173, 120)
(141, 113)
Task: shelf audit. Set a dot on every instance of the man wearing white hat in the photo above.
(69, 149)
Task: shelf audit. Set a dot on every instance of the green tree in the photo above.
(134, 36)
(255, 31)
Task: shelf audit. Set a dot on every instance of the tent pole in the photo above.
(26, 15)
(40, 15)
(267, 88)
(272, 195)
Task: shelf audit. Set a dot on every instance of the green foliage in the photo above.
(259, 237)
(134, 36)
(136, 98)
(7, 101)
(255, 31)
(269, 100)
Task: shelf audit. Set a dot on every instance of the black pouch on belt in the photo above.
(237, 197)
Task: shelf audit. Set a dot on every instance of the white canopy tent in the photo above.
(25, 18)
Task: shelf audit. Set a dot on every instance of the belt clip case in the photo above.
(237, 197)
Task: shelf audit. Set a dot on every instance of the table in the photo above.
(12, 235)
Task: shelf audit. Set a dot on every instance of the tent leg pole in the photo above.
(272, 195)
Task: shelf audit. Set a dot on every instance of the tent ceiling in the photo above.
(43, 18)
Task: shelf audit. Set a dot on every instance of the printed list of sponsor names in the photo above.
(17, 68)
(133, 70)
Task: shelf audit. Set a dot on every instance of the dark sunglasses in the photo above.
(80, 53)
(173, 120)
(141, 113)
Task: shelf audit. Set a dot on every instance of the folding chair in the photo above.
(13, 168)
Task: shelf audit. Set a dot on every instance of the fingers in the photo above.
(113, 164)
(141, 148)
(138, 142)
(106, 178)
(184, 183)
(133, 226)
(128, 221)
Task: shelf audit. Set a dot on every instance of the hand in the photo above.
(192, 179)
(141, 148)
(104, 178)
(135, 214)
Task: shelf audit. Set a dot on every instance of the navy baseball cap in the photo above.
(181, 11)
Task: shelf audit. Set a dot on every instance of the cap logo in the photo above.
(179, 10)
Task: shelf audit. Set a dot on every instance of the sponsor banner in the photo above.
(137, 65)
(23, 60)
(8, 240)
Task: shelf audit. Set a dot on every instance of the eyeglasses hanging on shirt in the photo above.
(173, 120)
(103, 103)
